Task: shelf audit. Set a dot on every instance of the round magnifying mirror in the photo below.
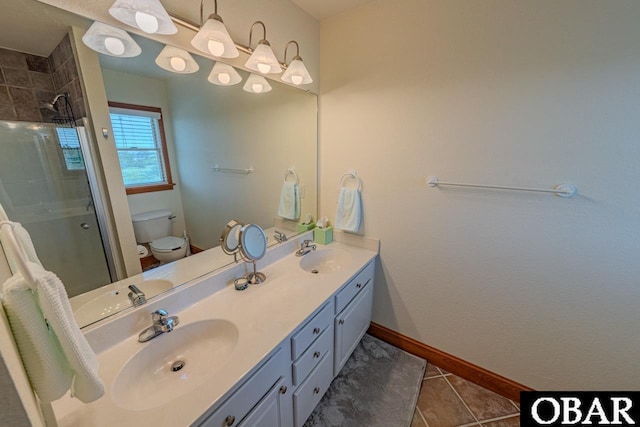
(230, 238)
(253, 246)
(253, 242)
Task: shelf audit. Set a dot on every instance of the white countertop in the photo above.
(264, 315)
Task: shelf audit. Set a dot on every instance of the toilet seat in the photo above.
(168, 244)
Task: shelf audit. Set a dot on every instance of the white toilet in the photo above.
(154, 227)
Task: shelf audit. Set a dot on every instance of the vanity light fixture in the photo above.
(296, 73)
(224, 75)
(110, 41)
(262, 59)
(256, 84)
(177, 60)
(148, 15)
(213, 36)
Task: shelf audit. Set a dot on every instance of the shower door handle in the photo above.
(85, 226)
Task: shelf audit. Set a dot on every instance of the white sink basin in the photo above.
(147, 379)
(323, 261)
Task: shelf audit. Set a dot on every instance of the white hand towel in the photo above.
(44, 362)
(289, 207)
(52, 299)
(349, 212)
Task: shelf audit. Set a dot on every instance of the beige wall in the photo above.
(537, 288)
(134, 89)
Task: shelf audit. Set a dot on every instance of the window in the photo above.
(70, 145)
(142, 149)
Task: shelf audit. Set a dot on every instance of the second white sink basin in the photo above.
(323, 261)
(150, 379)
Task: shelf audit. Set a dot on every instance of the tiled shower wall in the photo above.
(27, 79)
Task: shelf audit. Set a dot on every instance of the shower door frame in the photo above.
(99, 198)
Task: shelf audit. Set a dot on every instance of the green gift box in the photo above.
(323, 236)
(305, 227)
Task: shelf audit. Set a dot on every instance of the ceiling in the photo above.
(323, 9)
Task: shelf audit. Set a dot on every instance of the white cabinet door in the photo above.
(350, 326)
(271, 411)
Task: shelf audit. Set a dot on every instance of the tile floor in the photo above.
(449, 401)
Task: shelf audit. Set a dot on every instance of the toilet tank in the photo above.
(152, 225)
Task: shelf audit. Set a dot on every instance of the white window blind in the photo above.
(70, 144)
(137, 136)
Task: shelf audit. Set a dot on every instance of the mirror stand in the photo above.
(256, 277)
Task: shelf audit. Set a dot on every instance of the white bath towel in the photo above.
(289, 207)
(72, 352)
(22, 236)
(349, 212)
(44, 362)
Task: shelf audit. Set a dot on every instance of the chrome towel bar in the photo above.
(562, 190)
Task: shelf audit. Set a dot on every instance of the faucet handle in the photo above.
(159, 315)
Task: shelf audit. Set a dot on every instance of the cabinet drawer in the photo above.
(311, 358)
(312, 330)
(307, 396)
(346, 294)
(235, 408)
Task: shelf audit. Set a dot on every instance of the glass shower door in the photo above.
(44, 186)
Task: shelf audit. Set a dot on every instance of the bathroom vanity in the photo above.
(264, 356)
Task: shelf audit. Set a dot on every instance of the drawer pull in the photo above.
(341, 321)
(359, 285)
(229, 420)
(316, 331)
(316, 390)
(283, 389)
(316, 354)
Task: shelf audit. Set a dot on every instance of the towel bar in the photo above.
(562, 190)
(246, 171)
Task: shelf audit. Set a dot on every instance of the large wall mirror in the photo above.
(209, 129)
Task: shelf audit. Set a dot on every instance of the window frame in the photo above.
(138, 189)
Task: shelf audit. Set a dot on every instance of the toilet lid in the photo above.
(168, 244)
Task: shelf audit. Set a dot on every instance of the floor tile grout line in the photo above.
(431, 377)
(424, 420)
(469, 425)
(514, 404)
(461, 399)
(504, 417)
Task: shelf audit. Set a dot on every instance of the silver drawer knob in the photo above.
(359, 285)
(316, 390)
(316, 354)
(85, 226)
(341, 321)
(316, 331)
(283, 389)
(229, 420)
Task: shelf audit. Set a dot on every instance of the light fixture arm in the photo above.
(212, 16)
(286, 48)
(264, 30)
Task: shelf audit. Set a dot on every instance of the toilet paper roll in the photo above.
(142, 251)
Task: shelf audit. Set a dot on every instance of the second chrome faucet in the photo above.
(162, 323)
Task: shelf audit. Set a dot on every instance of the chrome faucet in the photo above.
(280, 236)
(305, 248)
(136, 296)
(161, 323)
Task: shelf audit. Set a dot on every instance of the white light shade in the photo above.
(224, 75)
(297, 73)
(110, 41)
(256, 84)
(177, 61)
(213, 38)
(263, 60)
(147, 15)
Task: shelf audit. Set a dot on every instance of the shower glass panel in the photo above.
(44, 186)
